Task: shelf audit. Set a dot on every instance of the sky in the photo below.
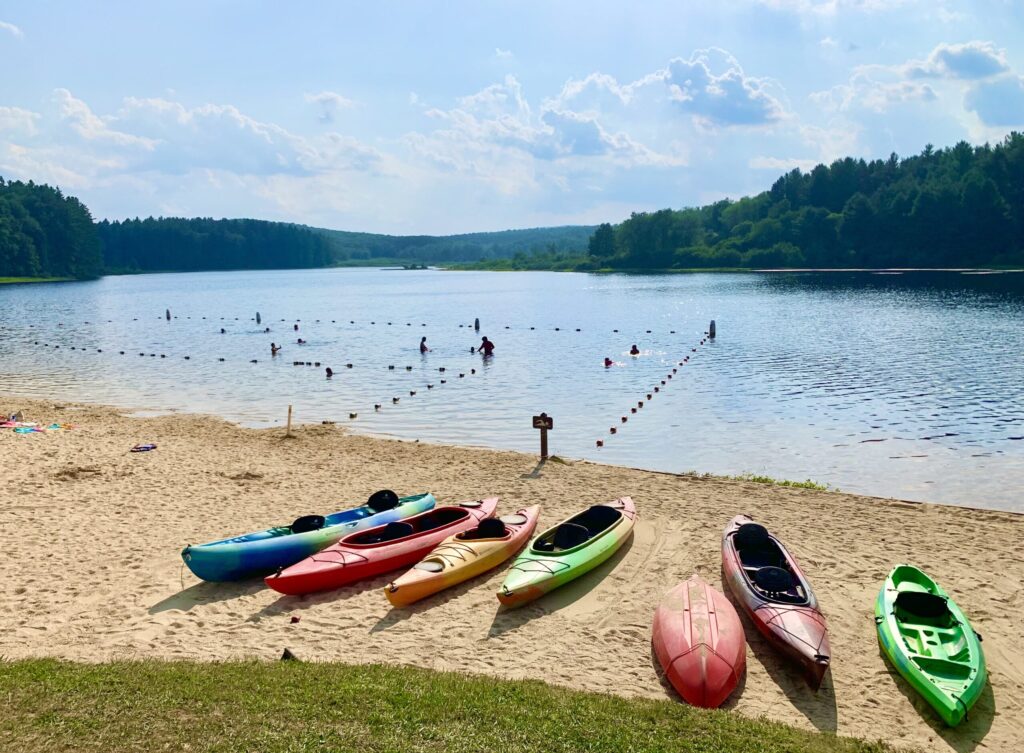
(430, 117)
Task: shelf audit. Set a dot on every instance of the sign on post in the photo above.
(544, 422)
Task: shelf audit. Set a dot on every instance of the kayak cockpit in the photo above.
(437, 518)
(767, 567)
(578, 530)
(489, 528)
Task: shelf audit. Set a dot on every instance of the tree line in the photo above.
(44, 233)
(957, 207)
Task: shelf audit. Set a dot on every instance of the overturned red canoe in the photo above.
(379, 550)
(772, 590)
(698, 639)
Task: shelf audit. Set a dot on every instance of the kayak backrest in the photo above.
(752, 537)
(597, 518)
(569, 535)
(489, 528)
(383, 500)
(395, 530)
(308, 523)
(922, 604)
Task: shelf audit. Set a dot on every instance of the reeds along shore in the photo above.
(92, 569)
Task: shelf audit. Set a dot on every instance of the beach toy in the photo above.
(263, 552)
(770, 587)
(25, 430)
(698, 639)
(381, 549)
(567, 551)
(143, 448)
(930, 642)
(464, 555)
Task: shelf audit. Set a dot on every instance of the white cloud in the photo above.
(91, 127)
(831, 7)
(828, 43)
(329, 103)
(999, 102)
(781, 165)
(19, 121)
(970, 60)
(500, 53)
(9, 27)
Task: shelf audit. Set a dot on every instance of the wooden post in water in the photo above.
(288, 430)
(544, 422)
(711, 329)
(258, 321)
(476, 324)
(167, 313)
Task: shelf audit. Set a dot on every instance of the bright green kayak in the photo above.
(567, 551)
(930, 642)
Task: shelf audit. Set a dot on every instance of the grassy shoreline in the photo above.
(56, 705)
(23, 280)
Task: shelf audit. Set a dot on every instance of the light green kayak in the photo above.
(567, 551)
(930, 642)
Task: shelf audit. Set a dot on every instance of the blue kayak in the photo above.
(264, 552)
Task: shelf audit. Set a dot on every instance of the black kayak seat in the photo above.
(569, 535)
(489, 528)
(395, 530)
(598, 518)
(308, 523)
(383, 500)
(774, 579)
(752, 537)
(921, 604)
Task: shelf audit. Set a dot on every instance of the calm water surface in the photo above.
(906, 385)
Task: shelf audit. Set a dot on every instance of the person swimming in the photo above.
(486, 347)
(608, 362)
(274, 349)
(300, 341)
(330, 372)
(423, 346)
(634, 351)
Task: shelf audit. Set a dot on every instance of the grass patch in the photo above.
(14, 280)
(52, 705)
(759, 479)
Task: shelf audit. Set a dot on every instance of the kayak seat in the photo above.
(569, 535)
(751, 536)
(394, 530)
(308, 523)
(922, 607)
(383, 500)
(597, 519)
(773, 579)
(489, 528)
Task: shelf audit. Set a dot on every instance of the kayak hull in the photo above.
(939, 655)
(796, 628)
(461, 559)
(356, 557)
(698, 640)
(537, 572)
(263, 552)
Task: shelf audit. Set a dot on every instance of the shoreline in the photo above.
(110, 583)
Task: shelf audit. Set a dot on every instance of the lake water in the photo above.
(908, 385)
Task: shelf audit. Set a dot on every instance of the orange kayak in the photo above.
(464, 555)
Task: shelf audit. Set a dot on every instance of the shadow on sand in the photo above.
(285, 603)
(203, 593)
(963, 738)
(401, 614)
(506, 620)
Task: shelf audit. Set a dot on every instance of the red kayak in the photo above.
(698, 640)
(366, 554)
(772, 590)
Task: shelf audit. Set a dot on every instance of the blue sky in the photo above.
(419, 117)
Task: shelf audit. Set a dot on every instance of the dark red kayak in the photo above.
(699, 642)
(366, 554)
(772, 590)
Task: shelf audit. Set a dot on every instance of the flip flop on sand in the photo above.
(143, 448)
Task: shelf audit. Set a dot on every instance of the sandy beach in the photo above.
(92, 535)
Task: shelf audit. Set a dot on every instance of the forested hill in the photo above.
(956, 207)
(174, 244)
(44, 233)
(568, 240)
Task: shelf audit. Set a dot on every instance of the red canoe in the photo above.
(366, 554)
(698, 640)
(772, 590)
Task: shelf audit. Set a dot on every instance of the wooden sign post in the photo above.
(544, 422)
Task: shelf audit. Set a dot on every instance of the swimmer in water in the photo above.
(634, 351)
(487, 347)
(423, 346)
(608, 362)
(274, 349)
